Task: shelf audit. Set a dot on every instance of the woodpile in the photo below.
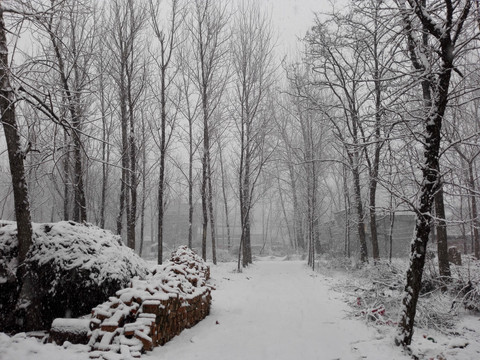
(76, 331)
(151, 312)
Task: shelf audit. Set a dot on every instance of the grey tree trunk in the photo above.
(204, 189)
(211, 213)
(132, 171)
(29, 316)
(124, 155)
(190, 183)
(473, 208)
(441, 228)
(224, 193)
(360, 216)
(297, 219)
(66, 177)
(105, 153)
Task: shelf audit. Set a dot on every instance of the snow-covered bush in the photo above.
(74, 267)
(375, 292)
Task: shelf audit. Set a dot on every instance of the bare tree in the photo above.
(209, 36)
(167, 40)
(190, 111)
(126, 24)
(337, 62)
(102, 65)
(253, 66)
(445, 24)
(71, 38)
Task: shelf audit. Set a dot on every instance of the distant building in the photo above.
(332, 234)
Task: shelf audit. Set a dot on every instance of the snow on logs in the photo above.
(151, 312)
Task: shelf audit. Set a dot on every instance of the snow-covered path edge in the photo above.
(277, 310)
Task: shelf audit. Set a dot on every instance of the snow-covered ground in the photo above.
(277, 310)
(273, 310)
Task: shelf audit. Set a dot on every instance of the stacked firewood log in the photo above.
(151, 312)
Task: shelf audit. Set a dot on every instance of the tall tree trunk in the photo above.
(105, 145)
(161, 180)
(144, 186)
(247, 204)
(441, 228)
(297, 220)
(79, 208)
(66, 177)
(360, 215)
(373, 174)
(15, 154)
(284, 212)
(124, 155)
(204, 190)
(132, 210)
(225, 199)
(431, 182)
(212, 215)
(373, 222)
(20, 190)
(142, 223)
(105, 160)
(473, 208)
(346, 198)
(190, 185)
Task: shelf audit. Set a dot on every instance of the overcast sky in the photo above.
(292, 18)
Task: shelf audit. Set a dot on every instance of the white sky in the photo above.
(292, 18)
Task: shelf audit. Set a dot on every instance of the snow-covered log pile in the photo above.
(73, 266)
(151, 312)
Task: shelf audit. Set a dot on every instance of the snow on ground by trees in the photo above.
(282, 310)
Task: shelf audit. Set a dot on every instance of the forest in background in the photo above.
(129, 105)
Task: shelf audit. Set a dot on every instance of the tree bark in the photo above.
(225, 199)
(473, 208)
(441, 228)
(105, 153)
(204, 190)
(190, 183)
(132, 173)
(124, 154)
(16, 155)
(360, 216)
(27, 315)
(212, 215)
(66, 177)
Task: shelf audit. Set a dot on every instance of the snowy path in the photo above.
(276, 310)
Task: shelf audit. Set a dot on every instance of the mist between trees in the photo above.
(178, 122)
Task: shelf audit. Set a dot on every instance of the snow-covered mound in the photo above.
(74, 267)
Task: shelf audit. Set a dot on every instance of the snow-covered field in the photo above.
(275, 310)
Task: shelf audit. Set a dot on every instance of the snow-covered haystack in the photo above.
(73, 266)
(150, 312)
